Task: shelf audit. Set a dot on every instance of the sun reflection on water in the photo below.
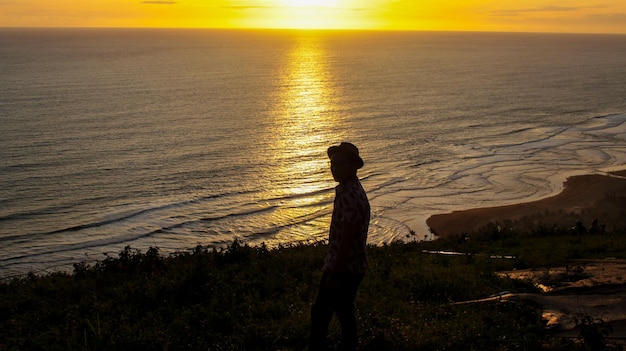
(303, 123)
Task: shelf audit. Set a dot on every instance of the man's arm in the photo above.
(348, 235)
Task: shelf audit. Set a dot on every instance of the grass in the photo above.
(256, 298)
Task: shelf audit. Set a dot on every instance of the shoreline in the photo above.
(583, 197)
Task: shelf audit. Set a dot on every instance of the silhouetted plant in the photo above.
(593, 332)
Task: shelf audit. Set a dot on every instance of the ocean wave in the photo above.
(177, 212)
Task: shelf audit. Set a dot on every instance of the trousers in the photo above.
(336, 294)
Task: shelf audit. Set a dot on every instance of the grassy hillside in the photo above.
(255, 298)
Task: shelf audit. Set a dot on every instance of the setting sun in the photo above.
(307, 14)
(304, 3)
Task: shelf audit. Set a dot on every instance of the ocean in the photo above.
(174, 138)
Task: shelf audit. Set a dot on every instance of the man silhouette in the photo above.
(345, 262)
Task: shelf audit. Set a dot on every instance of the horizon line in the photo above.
(316, 29)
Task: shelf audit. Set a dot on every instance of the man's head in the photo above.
(344, 161)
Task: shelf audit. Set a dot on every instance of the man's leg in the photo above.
(321, 314)
(345, 310)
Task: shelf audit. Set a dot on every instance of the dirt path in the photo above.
(600, 294)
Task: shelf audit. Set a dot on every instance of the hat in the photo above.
(349, 150)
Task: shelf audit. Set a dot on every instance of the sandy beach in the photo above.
(584, 198)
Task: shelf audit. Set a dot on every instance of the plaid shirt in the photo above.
(351, 206)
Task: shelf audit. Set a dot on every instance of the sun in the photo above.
(307, 15)
(311, 3)
(310, 14)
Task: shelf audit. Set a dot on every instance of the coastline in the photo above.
(583, 197)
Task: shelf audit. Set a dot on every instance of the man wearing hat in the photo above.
(345, 261)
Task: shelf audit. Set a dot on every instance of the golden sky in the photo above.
(582, 16)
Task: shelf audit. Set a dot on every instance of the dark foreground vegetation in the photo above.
(255, 298)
